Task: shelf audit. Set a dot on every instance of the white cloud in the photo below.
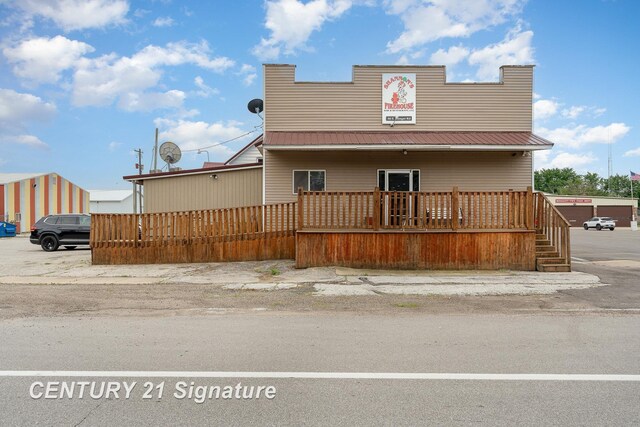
(633, 153)
(141, 13)
(249, 73)
(541, 159)
(403, 60)
(190, 135)
(148, 101)
(249, 79)
(515, 49)
(449, 57)
(42, 59)
(573, 112)
(18, 109)
(426, 21)
(30, 141)
(246, 68)
(564, 160)
(205, 91)
(291, 23)
(102, 80)
(544, 108)
(114, 145)
(78, 14)
(581, 135)
(166, 21)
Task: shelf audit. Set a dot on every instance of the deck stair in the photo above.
(553, 244)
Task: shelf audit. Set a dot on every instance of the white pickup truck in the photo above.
(600, 222)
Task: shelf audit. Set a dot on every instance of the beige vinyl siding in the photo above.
(356, 105)
(439, 171)
(233, 188)
(250, 155)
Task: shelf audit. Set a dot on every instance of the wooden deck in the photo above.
(417, 230)
(516, 230)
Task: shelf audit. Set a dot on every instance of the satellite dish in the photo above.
(170, 152)
(256, 106)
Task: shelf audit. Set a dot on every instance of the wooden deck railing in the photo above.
(550, 222)
(215, 225)
(249, 233)
(409, 210)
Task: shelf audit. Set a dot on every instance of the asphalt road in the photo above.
(592, 331)
(332, 343)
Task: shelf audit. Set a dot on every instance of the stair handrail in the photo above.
(550, 222)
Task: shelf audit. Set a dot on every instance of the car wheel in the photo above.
(70, 247)
(612, 228)
(49, 243)
(586, 227)
(598, 227)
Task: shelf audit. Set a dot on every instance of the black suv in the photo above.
(68, 230)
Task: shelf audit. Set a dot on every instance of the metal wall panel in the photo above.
(621, 214)
(576, 215)
(232, 188)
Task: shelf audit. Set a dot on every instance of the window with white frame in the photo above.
(309, 180)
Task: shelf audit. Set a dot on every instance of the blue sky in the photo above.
(85, 82)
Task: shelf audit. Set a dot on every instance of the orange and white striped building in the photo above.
(25, 198)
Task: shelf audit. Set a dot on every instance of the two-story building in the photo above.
(395, 168)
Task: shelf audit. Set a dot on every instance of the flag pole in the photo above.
(631, 180)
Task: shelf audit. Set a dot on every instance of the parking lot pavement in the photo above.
(614, 256)
(622, 244)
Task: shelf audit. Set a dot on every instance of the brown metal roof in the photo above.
(404, 138)
(190, 171)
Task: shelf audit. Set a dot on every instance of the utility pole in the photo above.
(140, 168)
(155, 154)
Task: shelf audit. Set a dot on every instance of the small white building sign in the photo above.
(399, 99)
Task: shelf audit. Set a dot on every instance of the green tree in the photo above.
(589, 184)
(620, 186)
(555, 180)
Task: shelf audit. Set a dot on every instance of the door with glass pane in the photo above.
(398, 207)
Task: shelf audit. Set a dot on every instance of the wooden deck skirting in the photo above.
(435, 250)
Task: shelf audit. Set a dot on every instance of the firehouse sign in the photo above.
(399, 99)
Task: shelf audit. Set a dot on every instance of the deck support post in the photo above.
(455, 204)
(376, 208)
(300, 209)
(530, 208)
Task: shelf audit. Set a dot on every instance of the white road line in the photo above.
(326, 375)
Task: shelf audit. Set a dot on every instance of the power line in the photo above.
(225, 142)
